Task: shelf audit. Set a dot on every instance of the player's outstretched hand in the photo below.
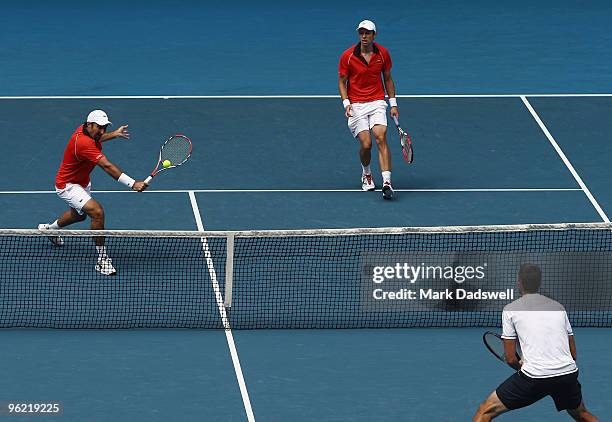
(121, 132)
(139, 186)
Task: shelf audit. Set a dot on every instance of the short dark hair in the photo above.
(530, 277)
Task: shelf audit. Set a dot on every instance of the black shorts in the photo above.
(519, 390)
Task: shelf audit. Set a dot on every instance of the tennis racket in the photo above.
(495, 345)
(405, 141)
(176, 150)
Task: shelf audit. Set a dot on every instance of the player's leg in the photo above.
(384, 158)
(69, 217)
(582, 414)
(489, 409)
(365, 148)
(358, 125)
(384, 153)
(517, 391)
(365, 156)
(96, 214)
(566, 392)
(377, 120)
(75, 196)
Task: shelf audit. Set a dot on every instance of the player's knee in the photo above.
(381, 141)
(582, 415)
(481, 413)
(490, 408)
(96, 213)
(486, 408)
(365, 142)
(76, 217)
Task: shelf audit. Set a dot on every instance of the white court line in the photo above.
(222, 311)
(17, 192)
(167, 97)
(569, 165)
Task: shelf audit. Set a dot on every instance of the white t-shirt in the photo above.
(542, 327)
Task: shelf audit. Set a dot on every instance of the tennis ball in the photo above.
(166, 163)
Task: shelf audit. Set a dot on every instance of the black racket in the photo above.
(495, 344)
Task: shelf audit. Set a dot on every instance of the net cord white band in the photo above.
(312, 232)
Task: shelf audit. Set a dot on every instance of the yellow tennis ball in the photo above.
(166, 163)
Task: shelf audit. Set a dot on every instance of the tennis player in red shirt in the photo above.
(363, 96)
(72, 183)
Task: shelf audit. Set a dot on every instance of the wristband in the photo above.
(346, 103)
(393, 102)
(126, 180)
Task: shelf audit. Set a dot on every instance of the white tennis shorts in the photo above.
(75, 195)
(367, 115)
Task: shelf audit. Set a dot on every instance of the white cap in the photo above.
(366, 24)
(99, 117)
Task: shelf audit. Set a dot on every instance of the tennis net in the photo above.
(354, 278)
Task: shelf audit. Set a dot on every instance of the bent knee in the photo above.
(96, 213)
(492, 406)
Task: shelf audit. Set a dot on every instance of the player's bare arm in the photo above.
(342, 81)
(510, 353)
(114, 172)
(120, 132)
(390, 89)
(572, 346)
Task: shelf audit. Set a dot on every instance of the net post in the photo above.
(229, 270)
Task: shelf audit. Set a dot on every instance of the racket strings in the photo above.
(177, 150)
(406, 147)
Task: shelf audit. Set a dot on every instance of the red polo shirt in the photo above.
(364, 80)
(80, 157)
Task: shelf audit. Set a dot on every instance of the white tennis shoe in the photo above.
(55, 240)
(367, 183)
(105, 266)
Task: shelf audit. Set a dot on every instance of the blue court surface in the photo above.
(510, 119)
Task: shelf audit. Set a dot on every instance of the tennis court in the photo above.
(491, 148)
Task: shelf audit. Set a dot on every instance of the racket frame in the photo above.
(405, 141)
(157, 168)
(489, 334)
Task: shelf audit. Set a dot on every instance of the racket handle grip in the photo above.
(396, 121)
(148, 180)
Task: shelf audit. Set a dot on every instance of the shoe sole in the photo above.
(104, 273)
(55, 240)
(373, 188)
(59, 243)
(387, 192)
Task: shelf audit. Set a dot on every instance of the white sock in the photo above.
(54, 226)
(386, 176)
(366, 169)
(101, 252)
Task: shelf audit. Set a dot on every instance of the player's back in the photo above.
(542, 328)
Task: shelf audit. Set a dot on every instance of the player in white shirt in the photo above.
(549, 366)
